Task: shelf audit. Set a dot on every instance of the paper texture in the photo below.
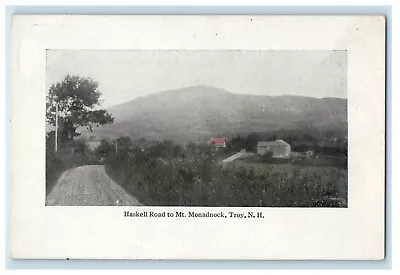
(102, 232)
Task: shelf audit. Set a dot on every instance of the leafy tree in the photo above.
(251, 142)
(81, 146)
(236, 144)
(162, 149)
(105, 148)
(78, 101)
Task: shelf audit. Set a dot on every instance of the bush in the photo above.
(54, 168)
(69, 155)
(105, 149)
(267, 157)
(156, 178)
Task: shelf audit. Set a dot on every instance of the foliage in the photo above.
(251, 142)
(54, 168)
(73, 154)
(248, 142)
(123, 143)
(157, 176)
(78, 101)
(322, 142)
(105, 149)
(267, 157)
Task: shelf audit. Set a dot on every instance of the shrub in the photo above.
(71, 154)
(267, 157)
(156, 178)
(54, 167)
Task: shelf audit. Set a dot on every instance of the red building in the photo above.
(219, 142)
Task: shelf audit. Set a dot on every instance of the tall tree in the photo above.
(251, 142)
(78, 101)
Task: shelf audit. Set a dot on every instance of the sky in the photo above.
(124, 75)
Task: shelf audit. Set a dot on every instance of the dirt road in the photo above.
(88, 185)
(238, 156)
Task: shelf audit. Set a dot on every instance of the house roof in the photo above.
(278, 142)
(218, 140)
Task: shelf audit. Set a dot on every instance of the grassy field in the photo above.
(309, 185)
(197, 178)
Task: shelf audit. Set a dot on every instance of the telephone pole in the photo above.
(56, 133)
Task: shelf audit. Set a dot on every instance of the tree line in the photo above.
(324, 142)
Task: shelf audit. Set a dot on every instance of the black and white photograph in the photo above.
(193, 137)
(210, 128)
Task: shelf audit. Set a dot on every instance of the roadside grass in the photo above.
(68, 156)
(55, 166)
(309, 185)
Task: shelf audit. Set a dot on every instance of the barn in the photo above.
(279, 148)
(219, 142)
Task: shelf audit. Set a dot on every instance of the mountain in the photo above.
(199, 112)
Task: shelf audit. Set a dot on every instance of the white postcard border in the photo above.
(286, 233)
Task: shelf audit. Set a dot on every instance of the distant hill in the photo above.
(199, 112)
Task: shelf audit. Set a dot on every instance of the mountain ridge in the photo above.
(198, 112)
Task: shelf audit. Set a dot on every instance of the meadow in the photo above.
(172, 175)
